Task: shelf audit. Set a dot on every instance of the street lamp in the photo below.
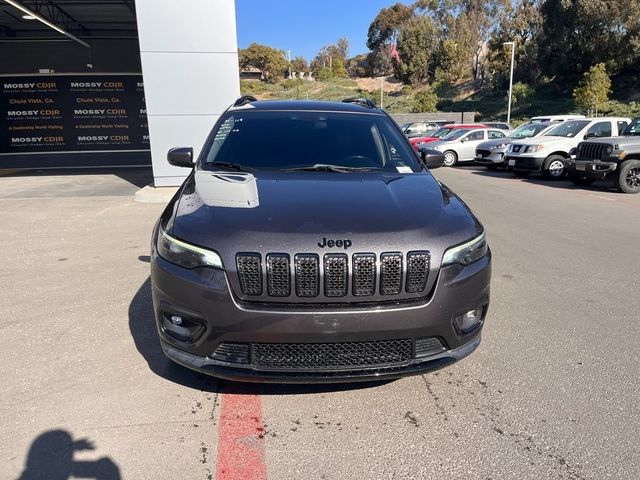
(513, 51)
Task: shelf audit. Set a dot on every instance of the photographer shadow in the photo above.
(50, 457)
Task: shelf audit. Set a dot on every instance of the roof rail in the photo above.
(243, 100)
(365, 102)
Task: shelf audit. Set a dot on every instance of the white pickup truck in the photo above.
(548, 153)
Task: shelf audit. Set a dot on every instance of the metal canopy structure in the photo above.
(85, 19)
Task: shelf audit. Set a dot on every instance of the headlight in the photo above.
(438, 147)
(534, 148)
(467, 253)
(185, 255)
(501, 146)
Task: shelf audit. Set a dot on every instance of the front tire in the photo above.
(553, 167)
(628, 179)
(450, 158)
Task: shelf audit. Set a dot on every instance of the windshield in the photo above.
(441, 132)
(528, 131)
(567, 129)
(294, 139)
(633, 129)
(455, 134)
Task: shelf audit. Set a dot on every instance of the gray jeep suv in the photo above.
(309, 243)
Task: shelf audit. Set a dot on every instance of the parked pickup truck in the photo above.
(617, 159)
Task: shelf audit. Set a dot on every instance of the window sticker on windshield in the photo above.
(404, 169)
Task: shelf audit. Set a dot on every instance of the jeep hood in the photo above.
(292, 211)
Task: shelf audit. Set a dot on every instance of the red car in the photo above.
(416, 142)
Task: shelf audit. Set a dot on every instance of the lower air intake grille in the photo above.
(278, 275)
(390, 273)
(250, 273)
(417, 271)
(307, 275)
(335, 275)
(331, 355)
(364, 274)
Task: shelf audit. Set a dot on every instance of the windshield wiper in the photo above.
(321, 167)
(229, 166)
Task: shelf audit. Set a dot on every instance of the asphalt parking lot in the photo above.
(552, 392)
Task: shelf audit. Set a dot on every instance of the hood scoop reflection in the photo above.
(223, 189)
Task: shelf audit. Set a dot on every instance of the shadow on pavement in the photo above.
(50, 457)
(564, 184)
(143, 330)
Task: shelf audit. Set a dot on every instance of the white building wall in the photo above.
(189, 53)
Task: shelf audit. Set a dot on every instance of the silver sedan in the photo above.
(460, 145)
(491, 153)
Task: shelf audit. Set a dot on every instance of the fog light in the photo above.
(468, 321)
(182, 328)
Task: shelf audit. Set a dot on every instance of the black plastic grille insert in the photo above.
(278, 275)
(250, 273)
(307, 268)
(417, 271)
(331, 355)
(364, 274)
(336, 274)
(390, 273)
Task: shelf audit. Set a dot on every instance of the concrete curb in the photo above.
(151, 194)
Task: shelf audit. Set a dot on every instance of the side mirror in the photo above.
(590, 135)
(181, 157)
(408, 131)
(431, 157)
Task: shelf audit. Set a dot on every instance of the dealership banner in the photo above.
(72, 113)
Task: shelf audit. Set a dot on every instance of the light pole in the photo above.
(513, 51)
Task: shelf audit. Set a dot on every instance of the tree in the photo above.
(385, 28)
(270, 61)
(522, 24)
(326, 55)
(358, 66)
(594, 88)
(337, 68)
(383, 34)
(417, 44)
(299, 64)
(581, 33)
(425, 101)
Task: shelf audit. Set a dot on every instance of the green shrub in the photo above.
(425, 101)
(522, 93)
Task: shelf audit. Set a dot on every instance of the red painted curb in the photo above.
(241, 439)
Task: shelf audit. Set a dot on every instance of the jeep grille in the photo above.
(336, 275)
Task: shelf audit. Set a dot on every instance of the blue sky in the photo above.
(304, 26)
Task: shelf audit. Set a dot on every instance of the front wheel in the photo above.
(628, 179)
(553, 167)
(450, 158)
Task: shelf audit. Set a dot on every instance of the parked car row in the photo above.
(584, 149)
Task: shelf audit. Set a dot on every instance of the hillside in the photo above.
(467, 97)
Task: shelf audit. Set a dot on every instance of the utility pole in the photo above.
(513, 52)
(289, 58)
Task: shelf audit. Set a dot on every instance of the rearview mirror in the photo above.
(181, 157)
